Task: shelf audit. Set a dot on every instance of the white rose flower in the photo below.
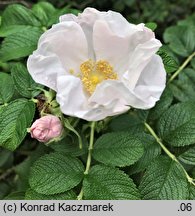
(99, 64)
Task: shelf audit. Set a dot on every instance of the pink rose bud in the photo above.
(46, 128)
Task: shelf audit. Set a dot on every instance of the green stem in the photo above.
(71, 128)
(172, 156)
(182, 67)
(159, 142)
(90, 149)
(34, 100)
(80, 196)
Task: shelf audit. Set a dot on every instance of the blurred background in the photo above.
(163, 12)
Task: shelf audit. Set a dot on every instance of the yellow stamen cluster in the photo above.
(93, 73)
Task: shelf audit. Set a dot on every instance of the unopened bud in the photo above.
(46, 128)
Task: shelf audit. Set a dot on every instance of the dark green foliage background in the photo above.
(138, 155)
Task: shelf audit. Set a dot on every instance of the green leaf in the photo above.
(55, 173)
(66, 10)
(151, 151)
(2, 108)
(164, 180)
(181, 39)
(106, 183)
(16, 195)
(24, 84)
(20, 44)
(184, 87)
(5, 157)
(69, 145)
(188, 157)
(44, 12)
(5, 189)
(118, 149)
(162, 105)
(14, 122)
(15, 18)
(127, 122)
(22, 170)
(192, 192)
(177, 125)
(169, 62)
(193, 63)
(142, 115)
(189, 21)
(151, 25)
(33, 195)
(6, 88)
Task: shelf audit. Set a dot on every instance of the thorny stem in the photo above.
(88, 164)
(182, 67)
(172, 156)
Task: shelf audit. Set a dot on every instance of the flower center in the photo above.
(93, 73)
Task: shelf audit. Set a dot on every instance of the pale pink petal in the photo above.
(124, 52)
(139, 59)
(151, 82)
(70, 96)
(74, 102)
(46, 128)
(60, 49)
